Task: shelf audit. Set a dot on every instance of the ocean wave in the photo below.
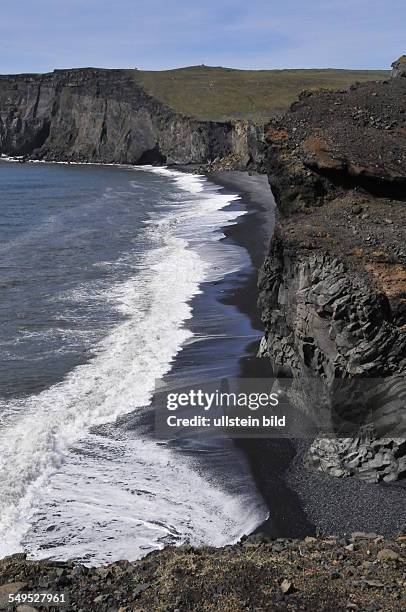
(38, 465)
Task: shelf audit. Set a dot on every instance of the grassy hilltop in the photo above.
(224, 93)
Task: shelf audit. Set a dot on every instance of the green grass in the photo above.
(224, 93)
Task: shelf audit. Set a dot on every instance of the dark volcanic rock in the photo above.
(333, 290)
(334, 141)
(94, 115)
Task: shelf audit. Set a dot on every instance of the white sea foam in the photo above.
(189, 182)
(134, 497)
(42, 472)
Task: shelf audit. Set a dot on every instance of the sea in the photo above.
(111, 280)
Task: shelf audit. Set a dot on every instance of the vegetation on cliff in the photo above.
(221, 94)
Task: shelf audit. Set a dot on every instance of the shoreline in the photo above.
(224, 507)
(309, 573)
(316, 573)
(277, 464)
(269, 459)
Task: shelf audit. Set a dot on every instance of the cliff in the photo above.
(94, 115)
(333, 289)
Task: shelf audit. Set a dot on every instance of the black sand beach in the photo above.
(269, 459)
(229, 307)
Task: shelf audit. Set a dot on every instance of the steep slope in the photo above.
(333, 290)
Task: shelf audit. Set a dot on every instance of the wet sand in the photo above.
(269, 459)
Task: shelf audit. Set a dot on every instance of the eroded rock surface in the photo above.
(333, 290)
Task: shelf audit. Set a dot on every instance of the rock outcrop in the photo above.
(95, 115)
(399, 67)
(333, 290)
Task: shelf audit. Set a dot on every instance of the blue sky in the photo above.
(40, 35)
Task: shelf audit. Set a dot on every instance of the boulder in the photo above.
(399, 67)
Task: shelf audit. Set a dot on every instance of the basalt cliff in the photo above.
(333, 289)
(105, 116)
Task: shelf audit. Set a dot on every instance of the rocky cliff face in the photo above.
(333, 290)
(93, 115)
